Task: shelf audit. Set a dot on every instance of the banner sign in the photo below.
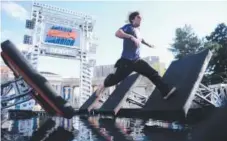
(60, 52)
(59, 35)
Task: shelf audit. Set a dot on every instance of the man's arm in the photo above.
(121, 34)
(147, 44)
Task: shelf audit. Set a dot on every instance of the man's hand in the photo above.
(151, 46)
(147, 44)
(135, 40)
(121, 34)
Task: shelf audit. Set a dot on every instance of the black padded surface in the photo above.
(212, 129)
(37, 97)
(87, 103)
(185, 74)
(36, 79)
(119, 95)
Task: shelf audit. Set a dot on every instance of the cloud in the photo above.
(15, 10)
(22, 47)
(5, 35)
(10, 35)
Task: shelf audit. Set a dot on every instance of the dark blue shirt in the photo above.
(130, 50)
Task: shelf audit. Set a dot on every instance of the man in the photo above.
(130, 59)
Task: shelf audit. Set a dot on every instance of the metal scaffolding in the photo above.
(42, 15)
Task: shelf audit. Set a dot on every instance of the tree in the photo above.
(217, 42)
(185, 42)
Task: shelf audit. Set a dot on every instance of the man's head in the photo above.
(135, 18)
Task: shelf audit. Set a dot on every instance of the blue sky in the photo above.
(160, 19)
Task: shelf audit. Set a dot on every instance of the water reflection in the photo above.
(92, 129)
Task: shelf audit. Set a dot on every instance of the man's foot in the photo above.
(100, 89)
(170, 93)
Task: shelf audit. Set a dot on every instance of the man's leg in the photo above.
(123, 69)
(145, 69)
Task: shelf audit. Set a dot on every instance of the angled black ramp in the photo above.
(43, 103)
(33, 78)
(185, 74)
(34, 94)
(119, 95)
(85, 106)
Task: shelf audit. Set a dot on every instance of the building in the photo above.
(6, 73)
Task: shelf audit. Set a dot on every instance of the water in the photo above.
(93, 129)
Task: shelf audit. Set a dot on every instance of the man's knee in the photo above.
(150, 71)
(109, 81)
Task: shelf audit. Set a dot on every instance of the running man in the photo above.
(130, 59)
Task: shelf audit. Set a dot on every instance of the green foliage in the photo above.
(217, 42)
(185, 42)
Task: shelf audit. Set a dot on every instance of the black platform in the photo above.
(114, 103)
(45, 93)
(186, 74)
(87, 103)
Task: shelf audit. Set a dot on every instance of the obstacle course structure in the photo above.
(43, 91)
(186, 78)
(186, 74)
(48, 29)
(40, 89)
(62, 33)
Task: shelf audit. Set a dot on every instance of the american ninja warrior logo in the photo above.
(61, 35)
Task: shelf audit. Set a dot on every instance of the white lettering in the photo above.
(62, 51)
